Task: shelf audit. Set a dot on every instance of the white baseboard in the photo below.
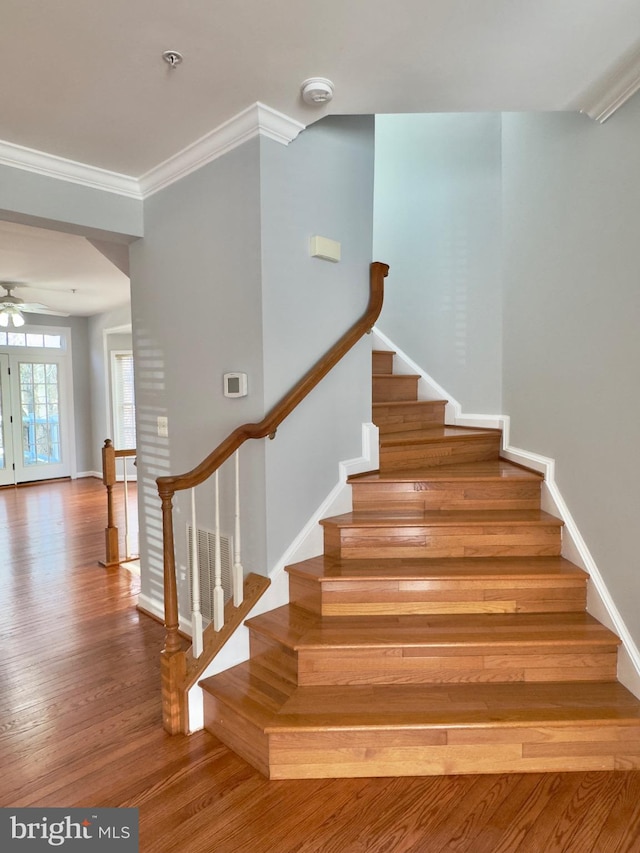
(308, 543)
(131, 478)
(599, 600)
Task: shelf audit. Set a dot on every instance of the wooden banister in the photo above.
(268, 426)
(174, 660)
(109, 456)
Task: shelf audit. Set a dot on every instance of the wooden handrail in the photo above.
(268, 426)
(173, 657)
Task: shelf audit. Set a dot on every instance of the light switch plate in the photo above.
(163, 426)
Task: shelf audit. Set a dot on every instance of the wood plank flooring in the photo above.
(80, 725)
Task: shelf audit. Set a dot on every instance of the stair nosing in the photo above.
(566, 570)
(443, 518)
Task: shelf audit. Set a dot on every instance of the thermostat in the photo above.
(235, 384)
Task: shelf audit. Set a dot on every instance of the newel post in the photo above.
(112, 557)
(173, 660)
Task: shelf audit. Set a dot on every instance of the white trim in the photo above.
(600, 603)
(81, 474)
(429, 389)
(51, 166)
(256, 120)
(155, 608)
(608, 95)
(308, 543)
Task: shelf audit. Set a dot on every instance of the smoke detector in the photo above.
(316, 90)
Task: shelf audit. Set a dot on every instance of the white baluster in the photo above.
(238, 571)
(196, 612)
(218, 593)
(127, 552)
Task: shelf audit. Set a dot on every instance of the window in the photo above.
(124, 400)
(30, 339)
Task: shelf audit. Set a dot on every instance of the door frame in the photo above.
(7, 473)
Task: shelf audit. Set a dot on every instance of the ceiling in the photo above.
(86, 80)
(64, 272)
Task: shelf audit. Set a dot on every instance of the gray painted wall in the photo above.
(223, 281)
(571, 319)
(45, 202)
(321, 184)
(437, 225)
(196, 311)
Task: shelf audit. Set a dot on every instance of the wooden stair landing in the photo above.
(291, 732)
(441, 631)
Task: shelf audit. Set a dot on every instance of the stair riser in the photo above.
(317, 667)
(450, 541)
(382, 362)
(391, 388)
(245, 738)
(431, 454)
(274, 656)
(435, 495)
(408, 417)
(371, 597)
(441, 751)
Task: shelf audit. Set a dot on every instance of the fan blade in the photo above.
(36, 308)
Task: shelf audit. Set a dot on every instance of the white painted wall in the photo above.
(437, 223)
(571, 318)
(100, 421)
(555, 198)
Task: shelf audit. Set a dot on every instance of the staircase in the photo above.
(441, 631)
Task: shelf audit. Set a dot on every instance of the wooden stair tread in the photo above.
(488, 469)
(434, 434)
(403, 403)
(300, 629)
(395, 376)
(326, 569)
(443, 518)
(278, 706)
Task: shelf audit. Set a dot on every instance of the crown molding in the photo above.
(256, 120)
(51, 166)
(606, 96)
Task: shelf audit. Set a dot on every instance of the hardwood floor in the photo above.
(80, 725)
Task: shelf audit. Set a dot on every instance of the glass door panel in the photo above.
(39, 440)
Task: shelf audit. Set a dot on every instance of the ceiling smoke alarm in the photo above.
(317, 90)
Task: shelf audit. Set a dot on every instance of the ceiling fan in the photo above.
(12, 308)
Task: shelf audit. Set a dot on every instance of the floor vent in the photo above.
(206, 564)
